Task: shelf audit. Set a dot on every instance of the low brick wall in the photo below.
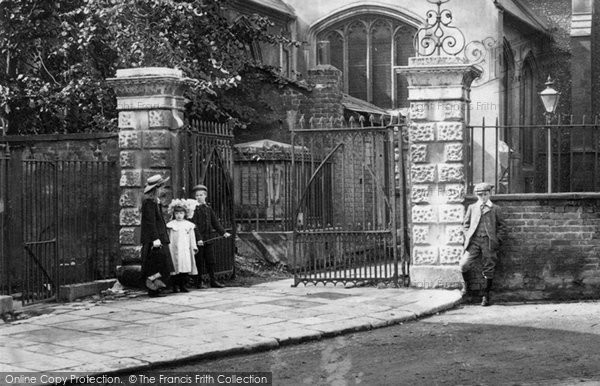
(552, 250)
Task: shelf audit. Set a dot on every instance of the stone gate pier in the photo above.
(439, 89)
(151, 110)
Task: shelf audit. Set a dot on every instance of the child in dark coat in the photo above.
(205, 220)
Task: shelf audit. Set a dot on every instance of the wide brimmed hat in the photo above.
(483, 187)
(199, 187)
(183, 204)
(154, 182)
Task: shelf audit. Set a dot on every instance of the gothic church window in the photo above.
(366, 48)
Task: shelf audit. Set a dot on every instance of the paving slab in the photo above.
(132, 333)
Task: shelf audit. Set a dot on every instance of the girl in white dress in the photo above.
(183, 245)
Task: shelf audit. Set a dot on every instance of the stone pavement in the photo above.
(131, 334)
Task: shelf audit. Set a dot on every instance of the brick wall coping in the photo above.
(56, 137)
(541, 196)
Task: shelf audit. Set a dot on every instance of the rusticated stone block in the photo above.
(453, 152)
(450, 131)
(159, 139)
(158, 118)
(131, 254)
(129, 158)
(425, 255)
(422, 132)
(419, 110)
(420, 193)
(130, 198)
(451, 173)
(451, 213)
(128, 236)
(126, 120)
(454, 234)
(454, 110)
(130, 217)
(418, 153)
(420, 234)
(131, 178)
(423, 214)
(160, 158)
(422, 173)
(455, 193)
(450, 255)
(129, 139)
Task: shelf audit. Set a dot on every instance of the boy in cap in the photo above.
(484, 228)
(205, 220)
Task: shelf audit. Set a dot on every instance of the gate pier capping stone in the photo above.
(150, 103)
(439, 88)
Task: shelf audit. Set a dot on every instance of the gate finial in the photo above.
(437, 37)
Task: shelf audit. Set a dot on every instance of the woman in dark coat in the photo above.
(156, 258)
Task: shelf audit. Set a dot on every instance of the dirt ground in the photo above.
(434, 351)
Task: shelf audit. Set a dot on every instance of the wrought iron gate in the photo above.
(346, 216)
(58, 225)
(39, 214)
(208, 160)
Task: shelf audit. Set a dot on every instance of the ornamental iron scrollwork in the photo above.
(481, 53)
(437, 36)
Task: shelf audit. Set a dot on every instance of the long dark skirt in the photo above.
(156, 260)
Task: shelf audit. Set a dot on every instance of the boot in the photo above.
(183, 278)
(174, 283)
(199, 283)
(486, 300)
(214, 283)
(465, 284)
(211, 274)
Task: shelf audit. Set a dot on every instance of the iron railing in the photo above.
(263, 194)
(561, 156)
(208, 160)
(88, 208)
(63, 218)
(345, 213)
(6, 277)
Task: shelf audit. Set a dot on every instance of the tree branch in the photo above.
(46, 69)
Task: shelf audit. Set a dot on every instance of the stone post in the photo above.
(150, 103)
(439, 89)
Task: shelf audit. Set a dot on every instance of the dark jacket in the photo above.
(153, 223)
(494, 224)
(206, 220)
